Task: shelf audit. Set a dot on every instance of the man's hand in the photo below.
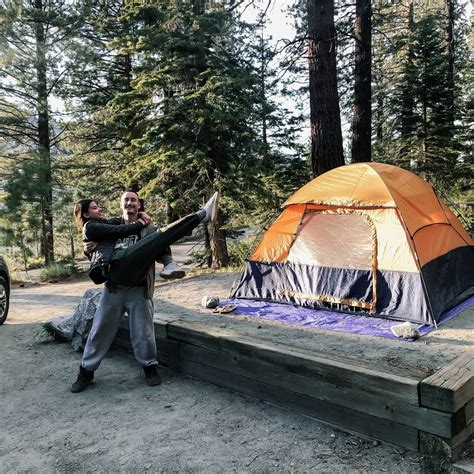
(89, 246)
(144, 217)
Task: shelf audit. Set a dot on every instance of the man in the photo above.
(115, 301)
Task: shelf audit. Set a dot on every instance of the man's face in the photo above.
(129, 203)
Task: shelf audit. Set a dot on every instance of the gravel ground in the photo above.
(122, 425)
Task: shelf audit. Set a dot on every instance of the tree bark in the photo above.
(219, 167)
(449, 10)
(362, 108)
(408, 102)
(220, 255)
(263, 66)
(326, 134)
(43, 133)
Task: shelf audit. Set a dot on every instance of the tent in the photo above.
(367, 237)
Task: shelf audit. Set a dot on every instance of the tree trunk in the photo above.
(379, 117)
(219, 167)
(362, 109)
(73, 249)
(263, 65)
(171, 215)
(43, 134)
(220, 255)
(408, 102)
(449, 10)
(127, 60)
(207, 244)
(326, 134)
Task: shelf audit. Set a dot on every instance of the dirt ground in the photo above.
(185, 425)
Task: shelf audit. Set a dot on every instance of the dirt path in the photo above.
(122, 425)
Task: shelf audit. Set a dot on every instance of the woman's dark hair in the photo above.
(81, 208)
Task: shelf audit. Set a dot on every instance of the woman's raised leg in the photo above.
(128, 267)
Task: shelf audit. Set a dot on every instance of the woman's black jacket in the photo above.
(105, 233)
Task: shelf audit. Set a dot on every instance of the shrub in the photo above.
(35, 262)
(57, 271)
(239, 251)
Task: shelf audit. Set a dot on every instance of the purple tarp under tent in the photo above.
(330, 320)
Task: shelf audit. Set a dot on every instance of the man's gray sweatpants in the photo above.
(112, 306)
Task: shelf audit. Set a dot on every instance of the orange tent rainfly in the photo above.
(367, 237)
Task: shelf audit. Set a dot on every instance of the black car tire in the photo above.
(4, 300)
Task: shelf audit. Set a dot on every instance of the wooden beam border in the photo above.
(434, 413)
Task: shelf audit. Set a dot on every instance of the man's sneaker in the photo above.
(151, 375)
(84, 379)
(211, 207)
(172, 272)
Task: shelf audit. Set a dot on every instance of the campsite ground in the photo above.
(184, 425)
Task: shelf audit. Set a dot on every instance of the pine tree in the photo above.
(32, 32)
(197, 97)
(419, 124)
(100, 133)
(286, 159)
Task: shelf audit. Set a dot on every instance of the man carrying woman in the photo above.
(124, 259)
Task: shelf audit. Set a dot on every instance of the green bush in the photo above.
(239, 251)
(57, 271)
(35, 262)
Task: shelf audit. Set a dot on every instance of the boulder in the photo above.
(76, 327)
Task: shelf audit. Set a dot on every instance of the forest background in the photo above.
(179, 98)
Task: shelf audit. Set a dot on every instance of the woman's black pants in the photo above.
(129, 267)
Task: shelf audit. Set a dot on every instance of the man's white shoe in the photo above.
(172, 272)
(211, 207)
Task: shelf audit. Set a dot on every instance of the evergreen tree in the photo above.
(33, 33)
(418, 126)
(198, 98)
(100, 70)
(286, 159)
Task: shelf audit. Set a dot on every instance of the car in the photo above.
(4, 290)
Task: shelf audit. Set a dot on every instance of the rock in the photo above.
(76, 327)
(405, 330)
(210, 301)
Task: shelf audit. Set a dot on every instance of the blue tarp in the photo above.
(333, 321)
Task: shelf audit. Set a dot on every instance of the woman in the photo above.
(128, 267)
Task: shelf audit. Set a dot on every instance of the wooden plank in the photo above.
(463, 437)
(469, 411)
(451, 387)
(335, 415)
(160, 328)
(160, 324)
(432, 421)
(333, 372)
(122, 340)
(167, 350)
(451, 447)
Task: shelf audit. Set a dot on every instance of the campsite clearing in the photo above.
(48, 429)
